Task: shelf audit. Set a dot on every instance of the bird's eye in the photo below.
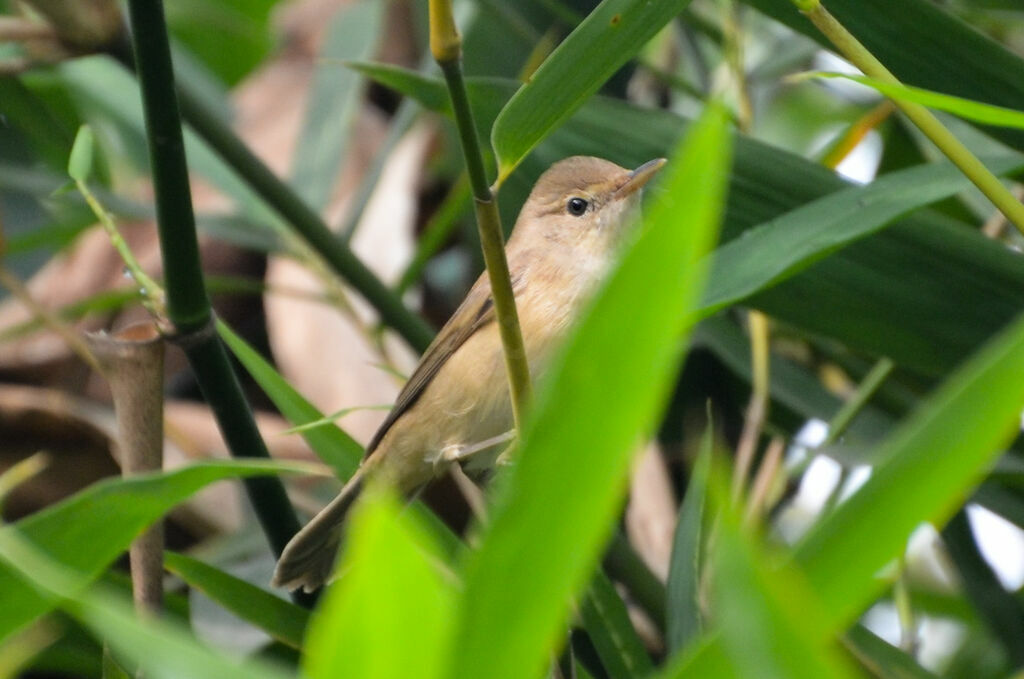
(576, 206)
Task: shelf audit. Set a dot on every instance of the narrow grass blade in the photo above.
(161, 649)
(282, 620)
(684, 619)
(975, 111)
(329, 442)
(608, 625)
(333, 101)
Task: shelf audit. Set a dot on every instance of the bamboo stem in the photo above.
(188, 306)
(446, 46)
(132, 361)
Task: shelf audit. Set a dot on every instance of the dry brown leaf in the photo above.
(651, 513)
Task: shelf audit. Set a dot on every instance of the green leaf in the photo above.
(110, 95)
(80, 161)
(965, 62)
(161, 649)
(543, 541)
(976, 111)
(390, 614)
(329, 442)
(771, 622)
(926, 469)
(334, 98)
(927, 291)
(282, 620)
(882, 658)
(778, 249)
(603, 42)
(111, 667)
(90, 529)
(608, 625)
(684, 623)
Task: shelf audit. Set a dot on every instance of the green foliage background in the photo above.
(894, 272)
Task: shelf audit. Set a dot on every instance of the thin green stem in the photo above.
(952, 147)
(188, 305)
(446, 48)
(865, 390)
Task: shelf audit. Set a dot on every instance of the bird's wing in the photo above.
(475, 312)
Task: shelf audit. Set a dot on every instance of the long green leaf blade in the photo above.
(161, 649)
(770, 620)
(90, 529)
(543, 540)
(928, 468)
(333, 101)
(281, 619)
(779, 249)
(603, 42)
(390, 614)
(683, 588)
(975, 111)
(608, 625)
(329, 442)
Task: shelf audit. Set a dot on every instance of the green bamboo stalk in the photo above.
(446, 46)
(188, 306)
(952, 147)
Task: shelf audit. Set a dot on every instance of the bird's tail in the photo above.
(308, 558)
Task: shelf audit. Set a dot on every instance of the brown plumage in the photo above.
(458, 394)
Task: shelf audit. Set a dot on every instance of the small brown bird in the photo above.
(456, 405)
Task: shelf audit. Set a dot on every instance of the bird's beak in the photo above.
(639, 177)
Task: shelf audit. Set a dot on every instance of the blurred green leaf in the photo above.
(28, 113)
(391, 612)
(542, 541)
(608, 625)
(206, 28)
(610, 35)
(109, 95)
(905, 36)
(882, 658)
(976, 111)
(87, 531)
(281, 619)
(927, 467)
(329, 441)
(161, 649)
(111, 667)
(770, 620)
(334, 99)
(684, 622)
(925, 470)
(80, 162)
